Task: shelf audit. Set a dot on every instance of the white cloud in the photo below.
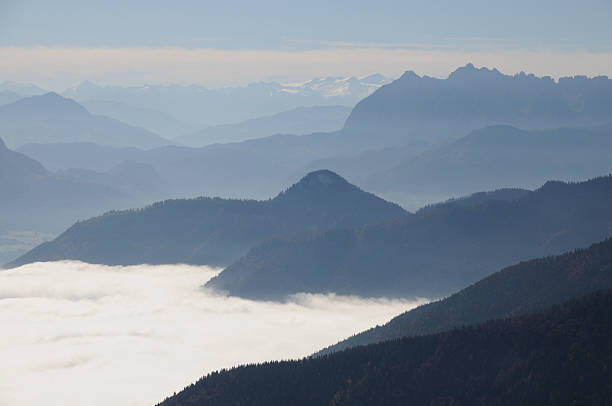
(60, 67)
(80, 334)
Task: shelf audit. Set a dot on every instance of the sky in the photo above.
(63, 42)
(84, 334)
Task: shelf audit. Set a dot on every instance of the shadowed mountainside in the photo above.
(519, 289)
(299, 121)
(214, 231)
(560, 356)
(437, 251)
(51, 118)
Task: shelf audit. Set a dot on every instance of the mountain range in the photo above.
(429, 108)
(523, 288)
(198, 106)
(214, 231)
(298, 121)
(560, 356)
(51, 118)
(35, 199)
(438, 250)
(410, 167)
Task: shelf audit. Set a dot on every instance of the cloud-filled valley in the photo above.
(92, 334)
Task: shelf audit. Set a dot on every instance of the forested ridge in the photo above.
(519, 289)
(214, 231)
(434, 253)
(561, 356)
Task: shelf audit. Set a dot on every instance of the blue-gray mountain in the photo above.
(437, 251)
(36, 199)
(198, 106)
(214, 231)
(519, 289)
(259, 168)
(424, 107)
(51, 118)
(298, 121)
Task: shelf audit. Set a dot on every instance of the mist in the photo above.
(99, 335)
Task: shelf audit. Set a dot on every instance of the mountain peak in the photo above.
(48, 103)
(469, 72)
(318, 184)
(409, 75)
(321, 179)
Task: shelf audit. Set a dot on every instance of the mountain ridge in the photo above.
(456, 243)
(520, 289)
(213, 231)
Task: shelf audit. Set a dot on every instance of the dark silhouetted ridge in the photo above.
(561, 356)
(215, 231)
(436, 252)
(519, 289)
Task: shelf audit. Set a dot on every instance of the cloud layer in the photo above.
(76, 334)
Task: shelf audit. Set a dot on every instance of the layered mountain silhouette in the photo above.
(214, 231)
(156, 121)
(35, 198)
(439, 250)
(425, 107)
(560, 356)
(298, 121)
(499, 155)
(406, 163)
(7, 97)
(51, 118)
(519, 289)
(198, 106)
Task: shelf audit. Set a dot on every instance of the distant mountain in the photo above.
(52, 118)
(431, 254)
(524, 288)
(7, 97)
(415, 107)
(153, 120)
(299, 121)
(249, 169)
(24, 89)
(81, 155)
(134, 179)
(199, 106)
(559, 357)
(492, 157)
(36, 199)
(214, 231)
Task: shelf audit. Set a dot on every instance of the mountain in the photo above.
(153, 120)
(36, 199)
(25, 89)
(301, 120)
(415, 107)
(249, 169)
(491, 157)
(81, 155)
(519, 289)
(7, 97)
(199, 106)
(52, 118)
(560, 357)
(214, 231)
(431, 254)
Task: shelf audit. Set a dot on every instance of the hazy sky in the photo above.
(58, 42)
(85, 334)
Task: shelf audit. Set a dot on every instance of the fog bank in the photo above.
(81, 334)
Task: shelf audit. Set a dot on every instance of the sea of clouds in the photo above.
(82, 334)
